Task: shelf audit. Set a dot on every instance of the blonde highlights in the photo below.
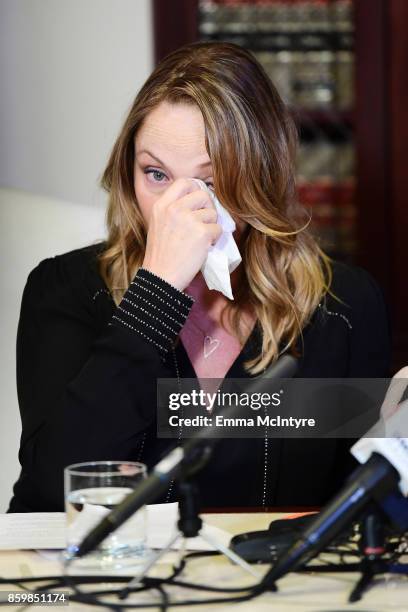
(251, 141)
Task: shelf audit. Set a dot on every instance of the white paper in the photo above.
(46, 530)
(224, 256)
(28, 530)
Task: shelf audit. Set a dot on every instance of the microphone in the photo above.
(178, 463)
(383, 477)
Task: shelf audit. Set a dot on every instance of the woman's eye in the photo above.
(156, 174)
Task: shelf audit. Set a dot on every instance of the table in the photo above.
(297, 592)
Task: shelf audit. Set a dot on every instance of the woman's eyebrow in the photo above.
(202, 165)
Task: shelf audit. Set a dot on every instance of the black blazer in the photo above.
(86, 381)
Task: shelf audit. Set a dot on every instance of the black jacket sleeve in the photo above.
(86, 395)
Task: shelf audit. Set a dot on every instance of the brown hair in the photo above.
(251, 141)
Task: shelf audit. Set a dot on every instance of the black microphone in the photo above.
(179, 462)
(375, 479)
(382, 479)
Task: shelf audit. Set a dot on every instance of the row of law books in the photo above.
(305, 46)
(333, 213)
(326, 186)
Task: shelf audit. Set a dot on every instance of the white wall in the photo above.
(28, 219)
(69, 71)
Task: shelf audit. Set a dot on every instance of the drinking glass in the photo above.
(92, 490)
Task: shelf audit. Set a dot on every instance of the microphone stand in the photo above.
(189, 525)
(373, 545)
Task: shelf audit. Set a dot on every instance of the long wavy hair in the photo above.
(251, 140)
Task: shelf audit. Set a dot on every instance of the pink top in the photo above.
(211, 350)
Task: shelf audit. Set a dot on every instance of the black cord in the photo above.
(204, 587)
(165, 599)
(93, 598)
(125, 592)
(192, 602)
(246, 593)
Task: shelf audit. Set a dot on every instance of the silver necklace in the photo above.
(180, 433)
(210, 344)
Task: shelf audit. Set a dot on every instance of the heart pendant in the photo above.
(210, 345)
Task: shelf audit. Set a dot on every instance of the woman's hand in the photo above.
(182, 227)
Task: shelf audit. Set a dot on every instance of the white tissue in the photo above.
(224, 256)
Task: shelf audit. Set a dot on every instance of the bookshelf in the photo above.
(341, 66)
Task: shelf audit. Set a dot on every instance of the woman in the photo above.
(100, 324)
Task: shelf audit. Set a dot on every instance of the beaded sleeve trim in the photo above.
(153, 309)
(100, 292)
(336, 314)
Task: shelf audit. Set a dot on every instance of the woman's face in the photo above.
(170, 145)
